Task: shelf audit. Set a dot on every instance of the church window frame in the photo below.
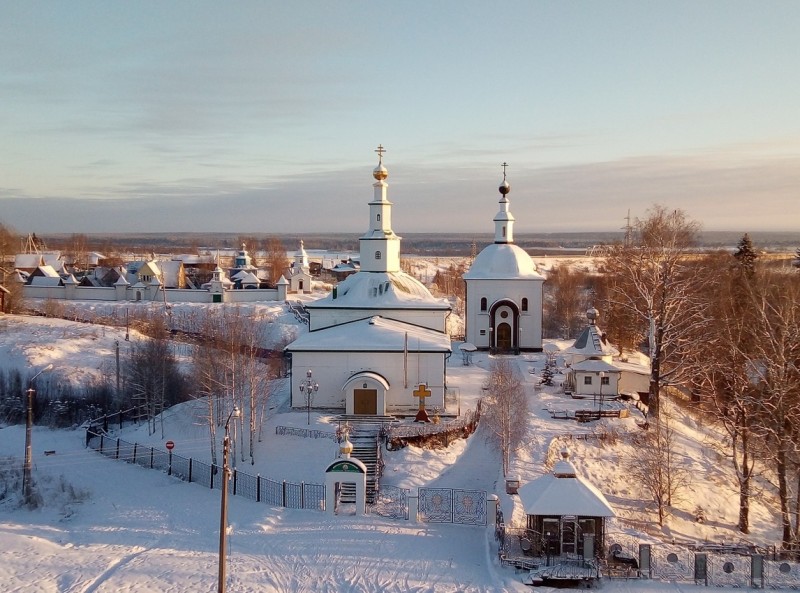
(378, 255)
(525, 304)
(484, 304)
(378, 217)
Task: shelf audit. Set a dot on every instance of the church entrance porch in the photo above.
(365, 394)
(365, 401)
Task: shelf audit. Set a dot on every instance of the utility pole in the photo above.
(27, 480)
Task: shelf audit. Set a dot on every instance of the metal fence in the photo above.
(284, 494)
(713, 566)
(436, 505)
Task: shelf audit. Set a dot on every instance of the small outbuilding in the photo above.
(565, 513)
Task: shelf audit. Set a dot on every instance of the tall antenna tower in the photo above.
(628, 230)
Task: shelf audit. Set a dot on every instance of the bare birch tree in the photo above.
(657, 467)
(655, 282)
(775, 352)
(506, 409)
(722, 372)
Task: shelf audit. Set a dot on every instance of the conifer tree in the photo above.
(746, 255)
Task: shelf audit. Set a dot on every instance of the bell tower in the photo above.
(504, 220)
(380, 247)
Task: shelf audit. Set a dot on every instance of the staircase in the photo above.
(365, 435)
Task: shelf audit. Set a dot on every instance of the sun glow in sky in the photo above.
(262, 116)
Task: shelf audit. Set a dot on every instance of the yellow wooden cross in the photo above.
(422, 392)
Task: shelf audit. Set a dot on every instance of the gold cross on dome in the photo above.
(380, 150)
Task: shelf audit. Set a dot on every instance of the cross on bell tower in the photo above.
(380, 150)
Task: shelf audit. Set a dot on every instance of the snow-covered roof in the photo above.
(380, 290)
(150, 268)
(500, 261)
(376, 334)
(594, 365)
(48, 271)
(27, 260)
(247, 278)
(592, 342)
(563, 492)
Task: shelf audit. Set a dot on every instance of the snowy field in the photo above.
(109, 526)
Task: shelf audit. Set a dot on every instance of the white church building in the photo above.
(378, 343)
(504, 291)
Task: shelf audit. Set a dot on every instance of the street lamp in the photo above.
(27, 481)
(223, 512)
(309, 387)
(602, 376)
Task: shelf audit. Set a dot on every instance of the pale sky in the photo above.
(262, 117)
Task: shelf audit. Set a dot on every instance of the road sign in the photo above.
(170, 445)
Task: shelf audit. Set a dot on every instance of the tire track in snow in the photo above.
(114, 566)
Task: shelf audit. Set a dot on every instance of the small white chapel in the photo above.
(377, 344)
(503, 305)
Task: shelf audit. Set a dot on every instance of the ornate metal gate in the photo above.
(391, 502)
(447, 505)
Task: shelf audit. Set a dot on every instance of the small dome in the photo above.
(592, 315)
(380, 173)
(504, 188)
(346, 448)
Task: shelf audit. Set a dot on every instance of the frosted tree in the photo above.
(657, 468)
(655, 283)
(723, 375)
(505, 412)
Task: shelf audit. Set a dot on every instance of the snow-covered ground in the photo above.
(109, 526)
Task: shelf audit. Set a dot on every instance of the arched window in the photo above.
(377, 255)
(525, 304)
(379, 218)
(504, 231)
(483, 304)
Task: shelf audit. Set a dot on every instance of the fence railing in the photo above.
(304, 432)
(284, 494)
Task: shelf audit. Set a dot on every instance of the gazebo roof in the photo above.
(564, 493)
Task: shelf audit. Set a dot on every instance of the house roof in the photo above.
(28, 260)
(246, 277)
(376, 334)
(149, 268)
(48, 272)
(563, 492)
(594, 365)
(592, 342)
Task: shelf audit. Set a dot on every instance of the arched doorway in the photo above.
(504, 323)
(365, 393)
